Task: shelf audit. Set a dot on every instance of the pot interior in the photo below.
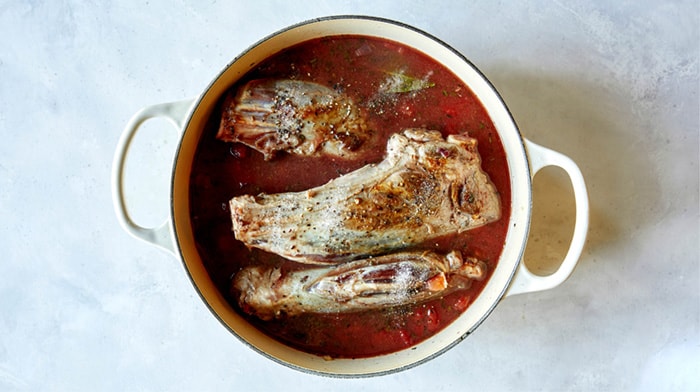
(519, 181)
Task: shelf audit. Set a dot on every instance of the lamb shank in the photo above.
(293, 116)
(391, 280)
(426, 187)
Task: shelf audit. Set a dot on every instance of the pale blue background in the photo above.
(83, 306)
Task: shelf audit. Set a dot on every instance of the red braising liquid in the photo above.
(355, 65)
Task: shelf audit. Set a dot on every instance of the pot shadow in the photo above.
(585, 122)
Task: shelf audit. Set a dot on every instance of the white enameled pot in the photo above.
(524, 160)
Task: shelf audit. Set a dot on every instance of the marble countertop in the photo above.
(613, 85)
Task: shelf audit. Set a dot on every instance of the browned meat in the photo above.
(426, 187)
(303, 118)
(390, 280)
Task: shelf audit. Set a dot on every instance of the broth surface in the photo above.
(356, 66)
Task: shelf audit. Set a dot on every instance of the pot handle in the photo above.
(524, 280)
(176, 113)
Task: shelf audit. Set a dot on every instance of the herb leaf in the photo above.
(398, 82)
